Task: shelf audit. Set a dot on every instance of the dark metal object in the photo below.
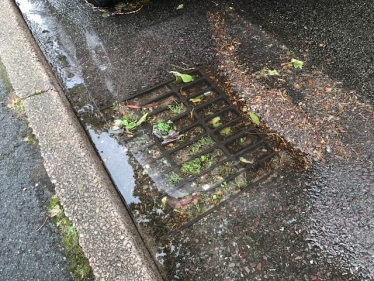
(189, 94)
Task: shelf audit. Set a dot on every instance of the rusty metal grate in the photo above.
(217, 147)
(208, 117)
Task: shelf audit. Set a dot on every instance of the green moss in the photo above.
(4, 78)
(30, 137)
(77, 261)
(16, 104)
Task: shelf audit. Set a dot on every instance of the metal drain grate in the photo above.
(216, 143)
(216, 149)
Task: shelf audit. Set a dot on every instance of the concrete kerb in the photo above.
(17, 52)
(106, 232)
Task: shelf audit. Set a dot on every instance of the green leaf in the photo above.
(273, 73)
(297, 63)
(185, 77)
(216, 122)
(105, 15)
(163, 200)
(225, 131)
(196, 99)
(142, 119)
(254, 118)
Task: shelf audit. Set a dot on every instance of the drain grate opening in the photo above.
(195, 149)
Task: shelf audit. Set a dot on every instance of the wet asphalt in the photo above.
(314, 225)
(25, 253)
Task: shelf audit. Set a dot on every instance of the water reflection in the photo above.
(116, 161)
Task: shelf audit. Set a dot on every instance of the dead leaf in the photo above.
(311, 81)
(242, 159)
(258, 267)
(56, 210)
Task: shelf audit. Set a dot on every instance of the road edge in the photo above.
(107, 234)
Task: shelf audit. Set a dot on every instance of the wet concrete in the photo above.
(27, 250)
(315, 225)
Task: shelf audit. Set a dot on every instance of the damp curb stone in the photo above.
(106, 232)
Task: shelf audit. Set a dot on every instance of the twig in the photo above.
(46, 218)
(135, 11)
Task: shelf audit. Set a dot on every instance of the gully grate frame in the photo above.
(171, 89)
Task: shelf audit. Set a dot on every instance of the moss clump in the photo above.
(77, 261)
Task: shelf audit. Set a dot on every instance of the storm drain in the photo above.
(193, 145)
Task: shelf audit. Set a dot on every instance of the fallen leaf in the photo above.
(56, 210)
(328, 89)
(185, 77)
(196, 99)
(142, 119)
(273, 73)
(297, 63)
(216, 121)
(254, 118)
(242, 159)
(246, 269)
(180, 6)
(311, 81)
(258, 267)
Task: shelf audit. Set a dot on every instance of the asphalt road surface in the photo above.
(26, 253)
